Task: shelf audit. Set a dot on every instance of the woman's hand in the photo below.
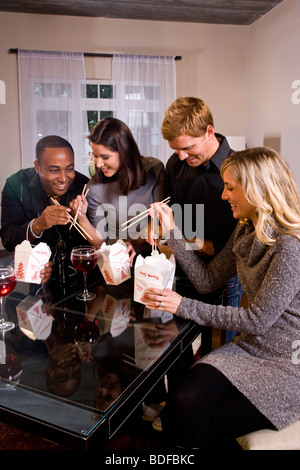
(81, 202)
(162, 299)
(165, 214)
(131, 251)
(158, 335)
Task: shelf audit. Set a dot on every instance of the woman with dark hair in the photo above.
(116, 136)
(124, 184)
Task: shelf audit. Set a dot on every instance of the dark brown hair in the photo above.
(117, 137)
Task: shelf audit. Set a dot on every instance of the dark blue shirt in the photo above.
(23, 199)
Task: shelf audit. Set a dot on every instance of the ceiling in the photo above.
(235, 12)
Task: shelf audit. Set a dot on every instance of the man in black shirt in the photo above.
(193, 171)
(27, 210)
(193, 178)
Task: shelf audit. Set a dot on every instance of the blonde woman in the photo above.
(252, 382)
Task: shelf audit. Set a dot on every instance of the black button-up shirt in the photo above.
(202, 185)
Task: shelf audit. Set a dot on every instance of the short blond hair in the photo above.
(186, 116)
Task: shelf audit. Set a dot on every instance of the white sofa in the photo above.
(267, 439)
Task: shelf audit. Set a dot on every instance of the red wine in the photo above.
(84, 264)
(11, 369)
(7, 285)
(86, 331)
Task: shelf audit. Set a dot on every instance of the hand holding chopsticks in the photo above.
(84, 193)
(76, 224)
(141, 216)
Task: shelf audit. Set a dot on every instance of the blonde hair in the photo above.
(268, 185)
(186, 116)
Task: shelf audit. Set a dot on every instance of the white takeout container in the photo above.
(153, 271)
(28, 261)
(113, 262)
(33, 320)
(115, 313)
(163, 316)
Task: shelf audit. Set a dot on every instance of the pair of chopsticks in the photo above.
(154, 230)
(84, 193)
(131, 361)
(141, 216)
(76, 225)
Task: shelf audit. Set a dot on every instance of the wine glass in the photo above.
(8, 282)
(86, 334)
(10, 366)
(84, 258)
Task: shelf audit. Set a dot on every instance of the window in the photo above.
(100, 99)
(131, 103)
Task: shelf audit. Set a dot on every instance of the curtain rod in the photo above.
(89, 54)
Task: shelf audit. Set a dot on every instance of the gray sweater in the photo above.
(263, 360)
(108, 208)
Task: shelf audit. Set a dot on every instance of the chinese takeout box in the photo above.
(153, 271)
(33, 318)
(145, 351)
(115, 313)
(143, 354)
(163, 316)
(113, 262)
(30, 260)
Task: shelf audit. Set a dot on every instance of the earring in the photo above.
(91, 164)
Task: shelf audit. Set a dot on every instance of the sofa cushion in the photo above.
(268, 439)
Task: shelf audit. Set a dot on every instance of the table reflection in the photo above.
(10, 366)
(88, 352)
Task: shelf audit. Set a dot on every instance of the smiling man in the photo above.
(193, 171)
(193, 178)
(27, 210)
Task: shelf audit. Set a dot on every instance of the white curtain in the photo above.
(51, 95)
(145, 87)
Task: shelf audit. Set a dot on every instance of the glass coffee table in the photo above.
(72, 371)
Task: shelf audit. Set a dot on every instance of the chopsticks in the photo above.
(84, 193)
(154, 230)
(131, 361)
(76, 225)
(137, 218)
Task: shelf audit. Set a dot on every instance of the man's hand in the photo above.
(45, 273)
(52, 215)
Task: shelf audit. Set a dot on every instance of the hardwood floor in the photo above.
(15, 439)
(137, 435)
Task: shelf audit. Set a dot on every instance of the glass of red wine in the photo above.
(8, 282)
(84, 259)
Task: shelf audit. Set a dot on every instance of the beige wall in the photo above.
(273, 64)
(244, 73)
(212, 66)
